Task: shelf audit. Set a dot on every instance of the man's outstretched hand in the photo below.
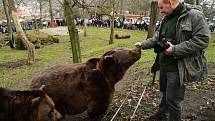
(138, 44)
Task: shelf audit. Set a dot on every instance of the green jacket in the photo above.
(192, 38)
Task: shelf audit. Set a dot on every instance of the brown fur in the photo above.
(32, 105)
(86, 86)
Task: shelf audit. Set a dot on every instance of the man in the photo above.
(184, 31)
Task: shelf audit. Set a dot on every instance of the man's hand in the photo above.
(169, 50)
(138, 44)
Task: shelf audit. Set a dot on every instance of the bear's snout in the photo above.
(137, 52)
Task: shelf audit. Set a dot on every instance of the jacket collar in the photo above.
(188, 7)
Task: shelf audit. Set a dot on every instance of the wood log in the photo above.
(122, 36)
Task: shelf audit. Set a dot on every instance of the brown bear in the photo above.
(30, 105)
(89, 86)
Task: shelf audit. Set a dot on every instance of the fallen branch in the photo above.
(138, 104)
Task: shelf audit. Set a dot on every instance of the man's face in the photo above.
(165, 7)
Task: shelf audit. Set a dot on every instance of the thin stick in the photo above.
(119, 107)
(138, 103)
(108, 112)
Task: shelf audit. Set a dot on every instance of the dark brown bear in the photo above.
(34, 105)
(89, 86)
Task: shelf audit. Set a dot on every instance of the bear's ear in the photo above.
(91, 63)
(36, 101)
(108, 60)
(42, 87)
(108, 53)
(108, 57)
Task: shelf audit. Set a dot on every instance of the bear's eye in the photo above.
(132, 53)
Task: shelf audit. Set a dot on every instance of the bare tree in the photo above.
(84, 16)
(9, 24)
(85, 25)
(197, 2)
(208, 9)
(41, 13)
(153, 18)
(51, 13)
(121, 6)
(112, 22)
(137, 6)
(30, 47)
(73, 32)
(2, 12)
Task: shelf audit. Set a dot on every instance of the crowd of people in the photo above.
(131, 23)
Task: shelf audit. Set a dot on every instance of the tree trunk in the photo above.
(41, 15)
(30, 47)
(121, 6)
(197, 2)
(85, 28)
(95, 9)
(153, 19)
(112, 24)
(51, 14)
(85, 24)
(9, 25)
(211, 9)
(73, 32)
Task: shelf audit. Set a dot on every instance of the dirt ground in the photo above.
(198, 105)
(57, 31)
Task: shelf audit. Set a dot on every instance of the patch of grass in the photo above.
(94, 45)
(210, 53)
(10, 77)
(212, 39)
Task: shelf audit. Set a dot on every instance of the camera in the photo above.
(162, 45)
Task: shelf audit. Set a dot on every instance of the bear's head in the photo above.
(114, 63)
(45, 109)
(28, 105)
